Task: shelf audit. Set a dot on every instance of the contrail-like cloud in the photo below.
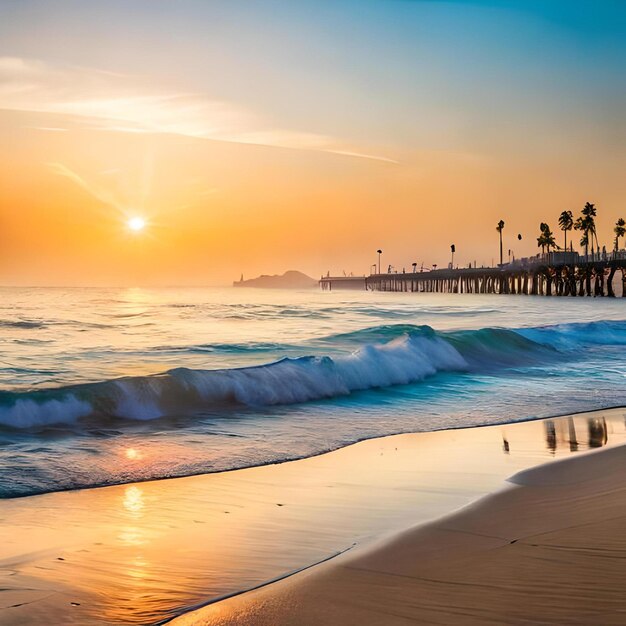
(93, 190)
(114, 102)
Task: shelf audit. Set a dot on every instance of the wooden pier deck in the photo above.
(554, 274)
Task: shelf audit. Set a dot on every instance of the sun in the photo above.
(136, 224)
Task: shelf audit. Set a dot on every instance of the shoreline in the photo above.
(295, 459)
(457, 560)
(266, 583)
(166, 547)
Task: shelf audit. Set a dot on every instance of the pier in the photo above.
(552, 274)
(328, 283)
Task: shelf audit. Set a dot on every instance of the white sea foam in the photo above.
(403, 360)
(408, 357)
(26, 412)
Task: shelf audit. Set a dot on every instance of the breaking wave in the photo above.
(381, 356)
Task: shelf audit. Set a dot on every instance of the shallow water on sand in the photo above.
(140, 553)
(317, 371)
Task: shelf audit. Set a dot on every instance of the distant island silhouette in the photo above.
(291, 279)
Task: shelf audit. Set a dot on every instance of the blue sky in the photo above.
(353, 66)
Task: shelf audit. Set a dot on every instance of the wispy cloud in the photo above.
(98, 192)
(115, 102)
(51, 129)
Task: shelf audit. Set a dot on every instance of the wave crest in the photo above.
(403, 360)
(388, 355)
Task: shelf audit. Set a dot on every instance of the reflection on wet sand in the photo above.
(573, 439)
(556, 436)
(133, 500)
(598, 436)
(550, 435)
(139, 553)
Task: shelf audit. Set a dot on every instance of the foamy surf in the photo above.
(255, 378)
(403, 355)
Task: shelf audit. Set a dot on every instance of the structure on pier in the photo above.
(328, 283)
(552, 274)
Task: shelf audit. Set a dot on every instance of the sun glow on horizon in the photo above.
(136, 224)
(120, 169)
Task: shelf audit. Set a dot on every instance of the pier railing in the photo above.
(567, 258)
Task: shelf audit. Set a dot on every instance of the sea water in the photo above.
(106, 386)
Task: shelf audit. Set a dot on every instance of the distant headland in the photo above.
(291, 279)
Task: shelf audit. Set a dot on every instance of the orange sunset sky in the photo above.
(258, 137)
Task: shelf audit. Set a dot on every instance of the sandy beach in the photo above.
(150, 552)
(548, 550)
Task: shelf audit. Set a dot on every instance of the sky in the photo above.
(259, 136)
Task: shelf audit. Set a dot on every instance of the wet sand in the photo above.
(549, 550)
(146, 552)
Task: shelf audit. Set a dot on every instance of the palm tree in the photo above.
(581, 225)
(500, 228)
(566, 222)
(541, 240)
(414, 266)
(584, 240)
(549, 238)
(546, 239)
(379, 253)
(589, 212)
(587, 225)
(620, 231)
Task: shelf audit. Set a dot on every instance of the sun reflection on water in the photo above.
(138, 568)
(133, 501)
(146, 550)
(132, 454)
(132, 536)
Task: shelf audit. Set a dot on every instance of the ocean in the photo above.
(109, 386)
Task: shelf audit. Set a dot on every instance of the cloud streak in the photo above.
(99, 193)
(114, 102)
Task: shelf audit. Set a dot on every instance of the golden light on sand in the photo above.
(133, 500)
(136, 224)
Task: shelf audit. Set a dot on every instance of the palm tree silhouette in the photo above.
(590, 211)
(379, 253)
(500, 228)
(587, 225)
(620, 231)
(546, 239)
(541, 242)
(589, 221)
(584, 239)
(566, 222)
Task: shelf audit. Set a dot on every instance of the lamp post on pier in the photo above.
(500, 228)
